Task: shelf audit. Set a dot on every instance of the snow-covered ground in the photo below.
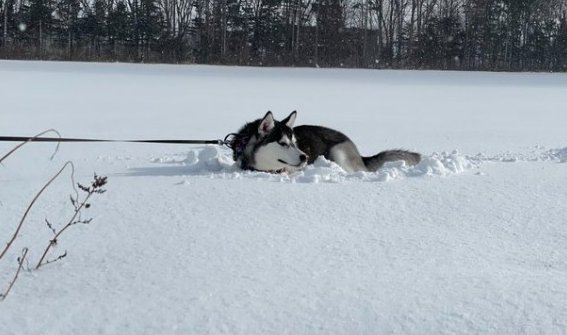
(473, 240)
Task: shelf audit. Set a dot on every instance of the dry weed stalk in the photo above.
(31, 140)
(96, 187)
(21, 260)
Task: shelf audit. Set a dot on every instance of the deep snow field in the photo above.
(473, 240)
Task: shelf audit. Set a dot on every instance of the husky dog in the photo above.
(276, 146)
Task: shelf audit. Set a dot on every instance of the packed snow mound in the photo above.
(217, 162)
(438, 164)
(560, 154)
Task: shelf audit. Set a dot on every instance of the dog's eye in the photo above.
(283, 144)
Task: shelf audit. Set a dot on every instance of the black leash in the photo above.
(233, 141)
(63, 139)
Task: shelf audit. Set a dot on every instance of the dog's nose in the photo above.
(302, 158)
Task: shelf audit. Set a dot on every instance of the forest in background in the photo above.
(495, 35)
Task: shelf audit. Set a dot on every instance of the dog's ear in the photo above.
(267, 124)
(290, 120)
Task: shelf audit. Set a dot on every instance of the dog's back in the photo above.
(318, 141)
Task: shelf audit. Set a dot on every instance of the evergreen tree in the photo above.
(330, 24)
(119, 27)
(559, 53)
(39, 22)
(67, 12)
(441, 43)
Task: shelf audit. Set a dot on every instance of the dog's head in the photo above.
(273, 147)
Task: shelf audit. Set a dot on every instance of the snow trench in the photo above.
(217, 162)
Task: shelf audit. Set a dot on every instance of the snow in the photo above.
(473, 240)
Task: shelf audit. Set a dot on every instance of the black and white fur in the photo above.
(276, 146)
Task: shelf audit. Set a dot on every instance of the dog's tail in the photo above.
(375, 162)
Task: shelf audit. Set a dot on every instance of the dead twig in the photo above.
(20, 265)
(58, 258)
(94, 188)
(31, 140)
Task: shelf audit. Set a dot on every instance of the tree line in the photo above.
(500, 35)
